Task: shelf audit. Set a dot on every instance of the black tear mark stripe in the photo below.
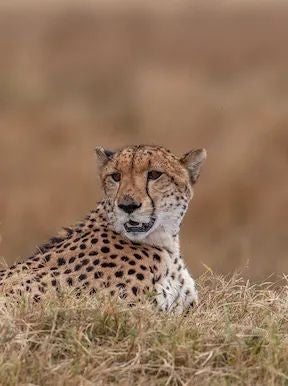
(117, 191)
(147, 192)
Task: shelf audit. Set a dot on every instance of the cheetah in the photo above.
(128, 246)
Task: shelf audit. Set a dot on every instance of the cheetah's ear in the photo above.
(193, 161)
(103, 155)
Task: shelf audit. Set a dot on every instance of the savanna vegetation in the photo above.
(237, 335)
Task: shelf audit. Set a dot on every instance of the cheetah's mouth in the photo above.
(137, 227)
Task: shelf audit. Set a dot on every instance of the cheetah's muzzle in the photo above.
(136, 227)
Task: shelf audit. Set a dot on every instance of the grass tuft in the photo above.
(237, 335)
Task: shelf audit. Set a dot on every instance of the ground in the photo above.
(237, 335)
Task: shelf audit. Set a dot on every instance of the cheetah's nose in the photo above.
(129, 205)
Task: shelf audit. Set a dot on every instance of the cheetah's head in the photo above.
(147, 188)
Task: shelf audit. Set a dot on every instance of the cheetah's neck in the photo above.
(162, 239)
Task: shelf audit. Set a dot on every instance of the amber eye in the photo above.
(154, 175)
(116, 176)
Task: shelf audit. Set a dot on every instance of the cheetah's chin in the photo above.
(136, 227)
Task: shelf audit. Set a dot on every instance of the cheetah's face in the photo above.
(148, 188)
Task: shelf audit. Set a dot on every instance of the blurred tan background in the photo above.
(207, 74)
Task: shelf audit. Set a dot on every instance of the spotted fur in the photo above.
(128, 246)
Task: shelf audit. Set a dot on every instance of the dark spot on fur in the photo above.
(98, 274)
(138, 257)
(41, 289)
(135, 290)
(47, 258)
(72, 259)
(108, 265)
(156, 257)
(61, 261)
(82, 277)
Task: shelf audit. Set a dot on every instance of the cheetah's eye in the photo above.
(154, 175)
(116, 176)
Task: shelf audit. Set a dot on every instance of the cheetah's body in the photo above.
(97, 255)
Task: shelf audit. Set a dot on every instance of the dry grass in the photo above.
(237, 335)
